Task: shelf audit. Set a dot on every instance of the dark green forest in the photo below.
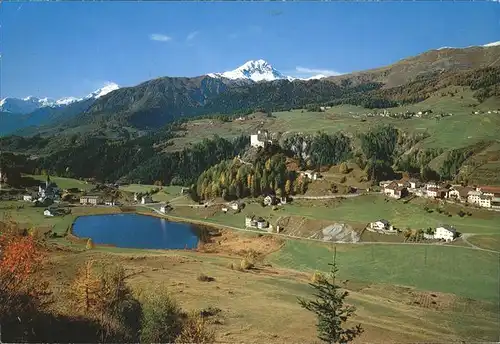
(232, 179)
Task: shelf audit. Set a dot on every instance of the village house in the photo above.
(491, 191)
(485, 201)
(431, 185)
(250, 221)
(163, 208)
(110, 202)
(395, 191)
(459, 193)
(224, 209)
(437, 193)
(445, 232)
(270, 200)
(261, 139)
(413, 184)
(261, 223)
(235, 205)
(28, 198)
(146, 199)
(384, 183)
(253, 222)
(381, 225)
(312, 175)
(284, 200)
(48, 212)
(136, 197)
(474, 197)
(92, 200)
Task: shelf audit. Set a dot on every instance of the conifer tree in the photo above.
(331, 310)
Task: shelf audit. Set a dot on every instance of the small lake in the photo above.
(137, 231)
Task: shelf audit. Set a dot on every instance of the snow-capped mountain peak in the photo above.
(255, 70)
(29, 104)
(109, 87)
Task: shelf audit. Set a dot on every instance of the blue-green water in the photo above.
(136, 231)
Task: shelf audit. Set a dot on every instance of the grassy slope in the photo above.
(434, 268)
(261, 306)
(373, 207)
(167, 193)
(489, 242)
(64, 183)
(459, 130)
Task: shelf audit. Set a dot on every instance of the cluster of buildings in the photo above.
(48, 192)
(310, 174)
(443, 232)
(482, 196)
(489, 112)
(256, 222)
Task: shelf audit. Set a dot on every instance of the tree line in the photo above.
(233, 179)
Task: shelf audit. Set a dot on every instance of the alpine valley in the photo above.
(442, 105)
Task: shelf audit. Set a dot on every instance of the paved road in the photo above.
(213, 224)
(326, 197)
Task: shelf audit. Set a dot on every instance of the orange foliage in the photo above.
(19, 256)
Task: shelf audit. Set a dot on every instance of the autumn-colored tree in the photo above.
(85, 288)
(195, 330)
(103, 295)
(288, 186)
(23, 292)
(90, 244)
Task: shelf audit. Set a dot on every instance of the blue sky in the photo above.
(59, 49)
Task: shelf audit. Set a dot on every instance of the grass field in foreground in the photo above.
(261, 306)
(460, 271)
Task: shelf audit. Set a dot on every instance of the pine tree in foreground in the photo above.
(330, 309)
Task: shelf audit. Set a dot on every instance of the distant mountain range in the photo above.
(29, 104)
(254, 85)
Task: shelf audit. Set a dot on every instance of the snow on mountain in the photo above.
(255, 70)
(316, 77)
(492, 44)
(66, 101)
(29, 104)
(489, 45)
(23, 106)
(109, 87)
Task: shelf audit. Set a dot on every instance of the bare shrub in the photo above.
(195, 330)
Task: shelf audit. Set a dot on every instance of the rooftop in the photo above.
(449, 228)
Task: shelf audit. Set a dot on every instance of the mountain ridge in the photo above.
(30, 104)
